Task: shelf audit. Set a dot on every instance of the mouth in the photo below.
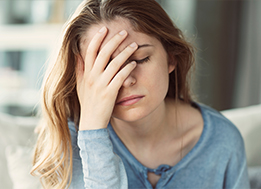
(130, 100)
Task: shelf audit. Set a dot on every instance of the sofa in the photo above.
(17, 139)
(248, 121)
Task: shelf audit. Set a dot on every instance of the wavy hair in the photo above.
(53, 151)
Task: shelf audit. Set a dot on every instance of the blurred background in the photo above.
(226, 33)
(29, 30)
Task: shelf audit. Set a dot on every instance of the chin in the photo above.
(131, 115)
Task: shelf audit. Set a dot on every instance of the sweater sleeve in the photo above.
(236, 173)
(94, 163)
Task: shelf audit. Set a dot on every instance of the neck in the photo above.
(148, 132)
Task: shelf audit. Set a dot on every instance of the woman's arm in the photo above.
(98, 82)
(236, 176)
(94, 163)
(101, 167)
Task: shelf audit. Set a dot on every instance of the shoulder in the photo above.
(220, 130)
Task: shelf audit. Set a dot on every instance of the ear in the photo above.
(172, 67)
(172, 63)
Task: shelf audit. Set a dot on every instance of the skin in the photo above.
(148, 127)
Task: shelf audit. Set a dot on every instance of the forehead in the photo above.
(115, 27)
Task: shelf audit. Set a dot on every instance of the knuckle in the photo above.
(90, 81)
(103, 55)
(120, 77)
(114, 65)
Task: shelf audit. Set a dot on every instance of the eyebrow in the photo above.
(144, 45)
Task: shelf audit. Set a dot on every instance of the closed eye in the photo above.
(142, 60)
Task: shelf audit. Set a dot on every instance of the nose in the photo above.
(129, 81)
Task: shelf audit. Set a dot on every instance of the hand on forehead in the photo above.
(115, 27)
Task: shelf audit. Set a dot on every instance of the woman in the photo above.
(117, 111)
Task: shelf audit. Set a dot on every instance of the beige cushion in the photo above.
(248, 121)
(19, 161)
(14, 131)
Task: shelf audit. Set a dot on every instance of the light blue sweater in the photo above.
(100, 160)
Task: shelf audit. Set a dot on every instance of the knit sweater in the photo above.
(101, 160)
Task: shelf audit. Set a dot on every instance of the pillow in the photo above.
(19, 162)
(248, 121)
(14, 131)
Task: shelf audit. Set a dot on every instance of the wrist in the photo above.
(92, 124)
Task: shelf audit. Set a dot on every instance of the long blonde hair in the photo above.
(53, 153)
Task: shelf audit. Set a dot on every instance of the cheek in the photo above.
(157, 80)
(162, 83)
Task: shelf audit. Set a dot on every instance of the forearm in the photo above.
(101, 167)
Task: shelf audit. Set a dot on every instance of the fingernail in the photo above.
(123, 32)
(133, 63)
(133, 45)
(102, 29)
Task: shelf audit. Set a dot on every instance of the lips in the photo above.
(129, 100)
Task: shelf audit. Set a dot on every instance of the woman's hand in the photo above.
(98, 85)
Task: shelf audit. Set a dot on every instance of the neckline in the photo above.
(167, 169)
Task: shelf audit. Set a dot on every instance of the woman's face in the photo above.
(144, 91)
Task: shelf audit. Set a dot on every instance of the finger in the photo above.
(106, 52)
(120, 77)
(93, 48)
(116, 64)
